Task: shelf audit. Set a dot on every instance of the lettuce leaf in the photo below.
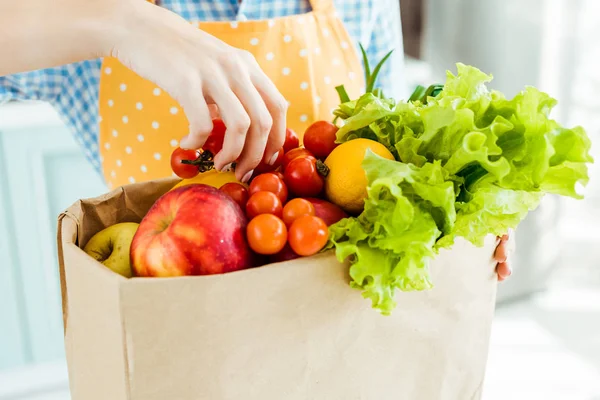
(407, 209)
(469, 163)
(490, 209)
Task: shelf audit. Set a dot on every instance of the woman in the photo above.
(133, 79)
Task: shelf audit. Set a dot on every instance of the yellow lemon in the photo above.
(346, 184)
(212, 178)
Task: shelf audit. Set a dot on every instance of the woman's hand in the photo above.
(195, 68)
(501, 255)
(198, 70)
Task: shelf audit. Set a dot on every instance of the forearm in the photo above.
(36, 34)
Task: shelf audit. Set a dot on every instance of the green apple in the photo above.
(111, 247)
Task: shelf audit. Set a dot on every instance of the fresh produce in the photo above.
(296, 208)
(308, 235)
(346, 183)
(214, 142)
(237, 192)
(304, 176)
(467, 162)
(291, 140)
(293, 154)
(212, 178)
(263, 203)
(286, 254)
(267, 234)
(186, 164)
(399, 181)
(184, 171)
(328, 212)
(193, 230)
(264, 165)
(320, 138)
(269, 182)
(269, 221)
(111, 247)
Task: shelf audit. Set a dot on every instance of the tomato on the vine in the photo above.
(184, 171)
(215, 140)
(303, 178)
(263, 203)
(296, 208)
(265, 167)
(266, 234)
(293, 154)
(292, 140)
(320, 138)
(308, 235)
(269, 182)
(237, 192)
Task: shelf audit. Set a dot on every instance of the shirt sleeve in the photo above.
(386, 36)
(42, 85)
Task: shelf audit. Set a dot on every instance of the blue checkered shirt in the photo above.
(73, 89)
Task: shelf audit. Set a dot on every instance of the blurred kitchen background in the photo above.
(546, 338)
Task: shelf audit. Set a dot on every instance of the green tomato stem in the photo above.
(204, 162)
(322, 169)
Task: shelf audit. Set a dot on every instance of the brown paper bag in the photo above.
(288, 331)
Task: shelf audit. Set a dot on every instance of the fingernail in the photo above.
(226, 168)
(183, 142)
(273, 158)
(247, 177)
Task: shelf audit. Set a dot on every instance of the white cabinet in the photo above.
(42, 171)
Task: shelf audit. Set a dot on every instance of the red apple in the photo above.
(328, 212)
(192, 230)
(286, 254)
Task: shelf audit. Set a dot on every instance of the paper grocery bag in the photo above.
(287, 331)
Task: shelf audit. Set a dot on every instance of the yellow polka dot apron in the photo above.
(305, 55)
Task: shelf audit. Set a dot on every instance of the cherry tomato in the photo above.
(214, 143)
(269, 182)
(280, 175)
(294, 153)
(308, 235)
(266, 234)
(320, 138)
(302, 177)
(265, 167)
(285, 254)
(292, 140)
(296, 208)
(184, 171)
(237, 192)
(263, 203)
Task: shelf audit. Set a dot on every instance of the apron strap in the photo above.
(322, 6)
